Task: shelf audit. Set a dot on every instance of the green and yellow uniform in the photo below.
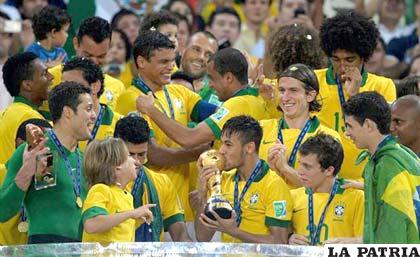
(158, 189)
(331, 114)
(52, 212)
(107, 127)
(245, 102)
(185, 106)
(113, 87)
(107, 200)
(11, 118)
(270, 134)
(343, 218)
(267, 202)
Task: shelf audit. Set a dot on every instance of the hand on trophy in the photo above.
(227, 225)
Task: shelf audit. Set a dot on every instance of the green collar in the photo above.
(389, 140)
(108, 115)
(260, 175)
(21, 99)
(246, 91)
(331, 76)
(339, 190)
(315, 124)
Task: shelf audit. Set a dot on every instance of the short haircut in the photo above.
(49, 18)
(96, 28)
(369, 105)
(149, 41)
(21, 132)
(91, 72)
(207, 34)
(18, 68)
(408, 86)
(328, 150)
(117, 17)
(295, 43)
(349, 31)
(247, 128)
(233, 61)
(128, 47)
(132, 129)
(155, 20)
(65, 94)
(307, 76)
(101, 158)
(224, 10)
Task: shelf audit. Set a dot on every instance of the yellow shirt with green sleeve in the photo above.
(107, 200)
(11, 118)
(267, 202)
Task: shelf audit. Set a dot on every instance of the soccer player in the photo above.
(348, 40)
(27, 79)
(87, 73)
(93, 41)
(298, 91)
(151, 187)
(261, 199)
(323, 212)
(391, 185)
(405, 121)
(228, 74)
(154, 55)
(54, 214)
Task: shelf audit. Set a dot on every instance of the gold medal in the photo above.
(79, 202)
(23, 227)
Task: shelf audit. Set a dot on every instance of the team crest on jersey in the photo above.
(220, 114)
(109, 96)
(178, 103)
(339, 210)
(254, 198)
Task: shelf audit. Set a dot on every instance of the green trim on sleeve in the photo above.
(217, 132)
(179, 217)
(195, 112)
(93, 212)
(272, 222)
(152, 133)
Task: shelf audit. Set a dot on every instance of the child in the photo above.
(108, 212)
(50, 27)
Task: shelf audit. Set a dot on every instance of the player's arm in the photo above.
(184, 136)
(178, 232)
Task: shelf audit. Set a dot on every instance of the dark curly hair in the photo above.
(149, 41)
(247, 128)
(18, 68)
(292, 44)
(349, 31)
(96, 28)
(132, 129)
(49, 18)
(158, 19)
(91, 72)
(369, 105)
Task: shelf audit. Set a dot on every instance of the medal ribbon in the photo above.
(146, 89)
(314, 233)
(23, 217)
(138, 181)
(298, 142)
(340, 91)
(237, 202)
(97, 123)
(76, 178)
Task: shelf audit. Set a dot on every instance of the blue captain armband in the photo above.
(202, 110)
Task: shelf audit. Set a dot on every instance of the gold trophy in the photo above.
(216, 202)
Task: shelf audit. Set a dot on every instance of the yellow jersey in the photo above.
(343, 218)
(107, 127)
(106, 200)
(113, 87)
(11, 118)
(270, 135)
(184, 103)
(267, 203)
(169, 202)
(245, 102)
(331, 114)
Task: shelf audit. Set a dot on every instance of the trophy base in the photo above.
(220, 206)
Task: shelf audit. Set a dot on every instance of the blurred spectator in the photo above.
(128, 22)
(376, 62)
(332, 7)
(292, 11)
(10, 10)
(50, 27)
(184, 33)
(225, 24)
(117, 63)
(408, 86)
(252, 38)
(415, 66)
(5, 43)
(183, 8)
(28, 8)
